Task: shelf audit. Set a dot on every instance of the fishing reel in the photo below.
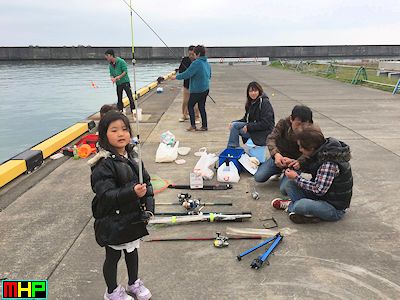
(221, 241)
(188, 203)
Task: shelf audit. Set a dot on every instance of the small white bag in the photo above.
(167, 153)
(228, 173)
(202, 167)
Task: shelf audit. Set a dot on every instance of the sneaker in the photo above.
(191, 128)
(118, 294)
(300, 219)
(197, 121)
(275, 177)
(280, 203)
(202, 129)
(183, 119)
(139, 290)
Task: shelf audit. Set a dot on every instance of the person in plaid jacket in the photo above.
(328, 193)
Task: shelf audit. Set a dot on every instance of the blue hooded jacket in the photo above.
(199, 73)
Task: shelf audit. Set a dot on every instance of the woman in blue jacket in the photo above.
(199, 73)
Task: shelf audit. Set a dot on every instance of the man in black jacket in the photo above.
(185, 63)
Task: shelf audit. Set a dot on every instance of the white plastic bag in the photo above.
(202, 167)
(167, 153)
(228, 173)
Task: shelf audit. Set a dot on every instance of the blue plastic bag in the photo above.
(256, 151)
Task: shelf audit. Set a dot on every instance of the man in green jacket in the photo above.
(119, 76)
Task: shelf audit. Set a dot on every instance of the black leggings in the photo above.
(111, 263)
(200, 99)
(127, 88)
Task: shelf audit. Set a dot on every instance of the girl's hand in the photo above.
(291, 174)
(230, 126)
(140, 190)
(173, 77)
(245, 129)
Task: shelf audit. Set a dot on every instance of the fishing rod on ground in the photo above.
(174, 55)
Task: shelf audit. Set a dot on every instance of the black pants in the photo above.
(200, 99)
(127, 88)
(110, 267)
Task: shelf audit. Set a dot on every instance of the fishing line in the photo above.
(174, 55)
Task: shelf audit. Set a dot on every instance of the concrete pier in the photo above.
(47, 231)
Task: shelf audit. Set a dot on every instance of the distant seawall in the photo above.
(162, 53)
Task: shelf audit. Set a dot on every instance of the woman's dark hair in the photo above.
(310, 138)
(199, 49)
(252, 86)
(108, 118)
(191, 48)
(303, 113)
(110, 52)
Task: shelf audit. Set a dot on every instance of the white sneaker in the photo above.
(139, 290)
(275, 177)
(118, 294)
(197, 121)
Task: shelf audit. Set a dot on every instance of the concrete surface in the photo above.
(47, 232)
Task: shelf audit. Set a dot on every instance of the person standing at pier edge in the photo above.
(199, 74)
(185, 63)
(119, 76)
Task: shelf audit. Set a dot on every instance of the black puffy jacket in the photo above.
(260, 120)
(340, 192)
(118, 213)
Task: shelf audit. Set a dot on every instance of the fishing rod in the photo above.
(136, 103)
(174, 55)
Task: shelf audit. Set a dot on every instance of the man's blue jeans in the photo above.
(266, 170)
(236, 133)
(308, 207)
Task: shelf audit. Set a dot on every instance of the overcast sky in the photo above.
(208, 22)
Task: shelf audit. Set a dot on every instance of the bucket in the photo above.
(139, 114)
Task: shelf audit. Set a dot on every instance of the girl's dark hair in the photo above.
(199, 49)
(252, 86)
(310, 138)
(108, 118)
(106, 108)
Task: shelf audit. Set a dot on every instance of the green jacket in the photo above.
(117, 69)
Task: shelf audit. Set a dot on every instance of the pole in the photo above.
(135, 100)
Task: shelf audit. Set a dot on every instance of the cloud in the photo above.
(179, 23)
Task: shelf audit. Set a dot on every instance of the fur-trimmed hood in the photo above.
(105, 154)
(333, 150)
(99, 155)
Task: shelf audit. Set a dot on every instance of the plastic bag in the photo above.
(228, 173)
(203, 165)
(168, 138)
(167, 153)
(255, 151)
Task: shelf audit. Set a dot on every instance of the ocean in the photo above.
(40, 98)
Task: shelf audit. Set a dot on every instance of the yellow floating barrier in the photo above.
(152, 85)
(11, 170)
(56, 142)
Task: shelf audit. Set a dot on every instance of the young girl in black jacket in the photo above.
(121, 205)
(258, 120)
